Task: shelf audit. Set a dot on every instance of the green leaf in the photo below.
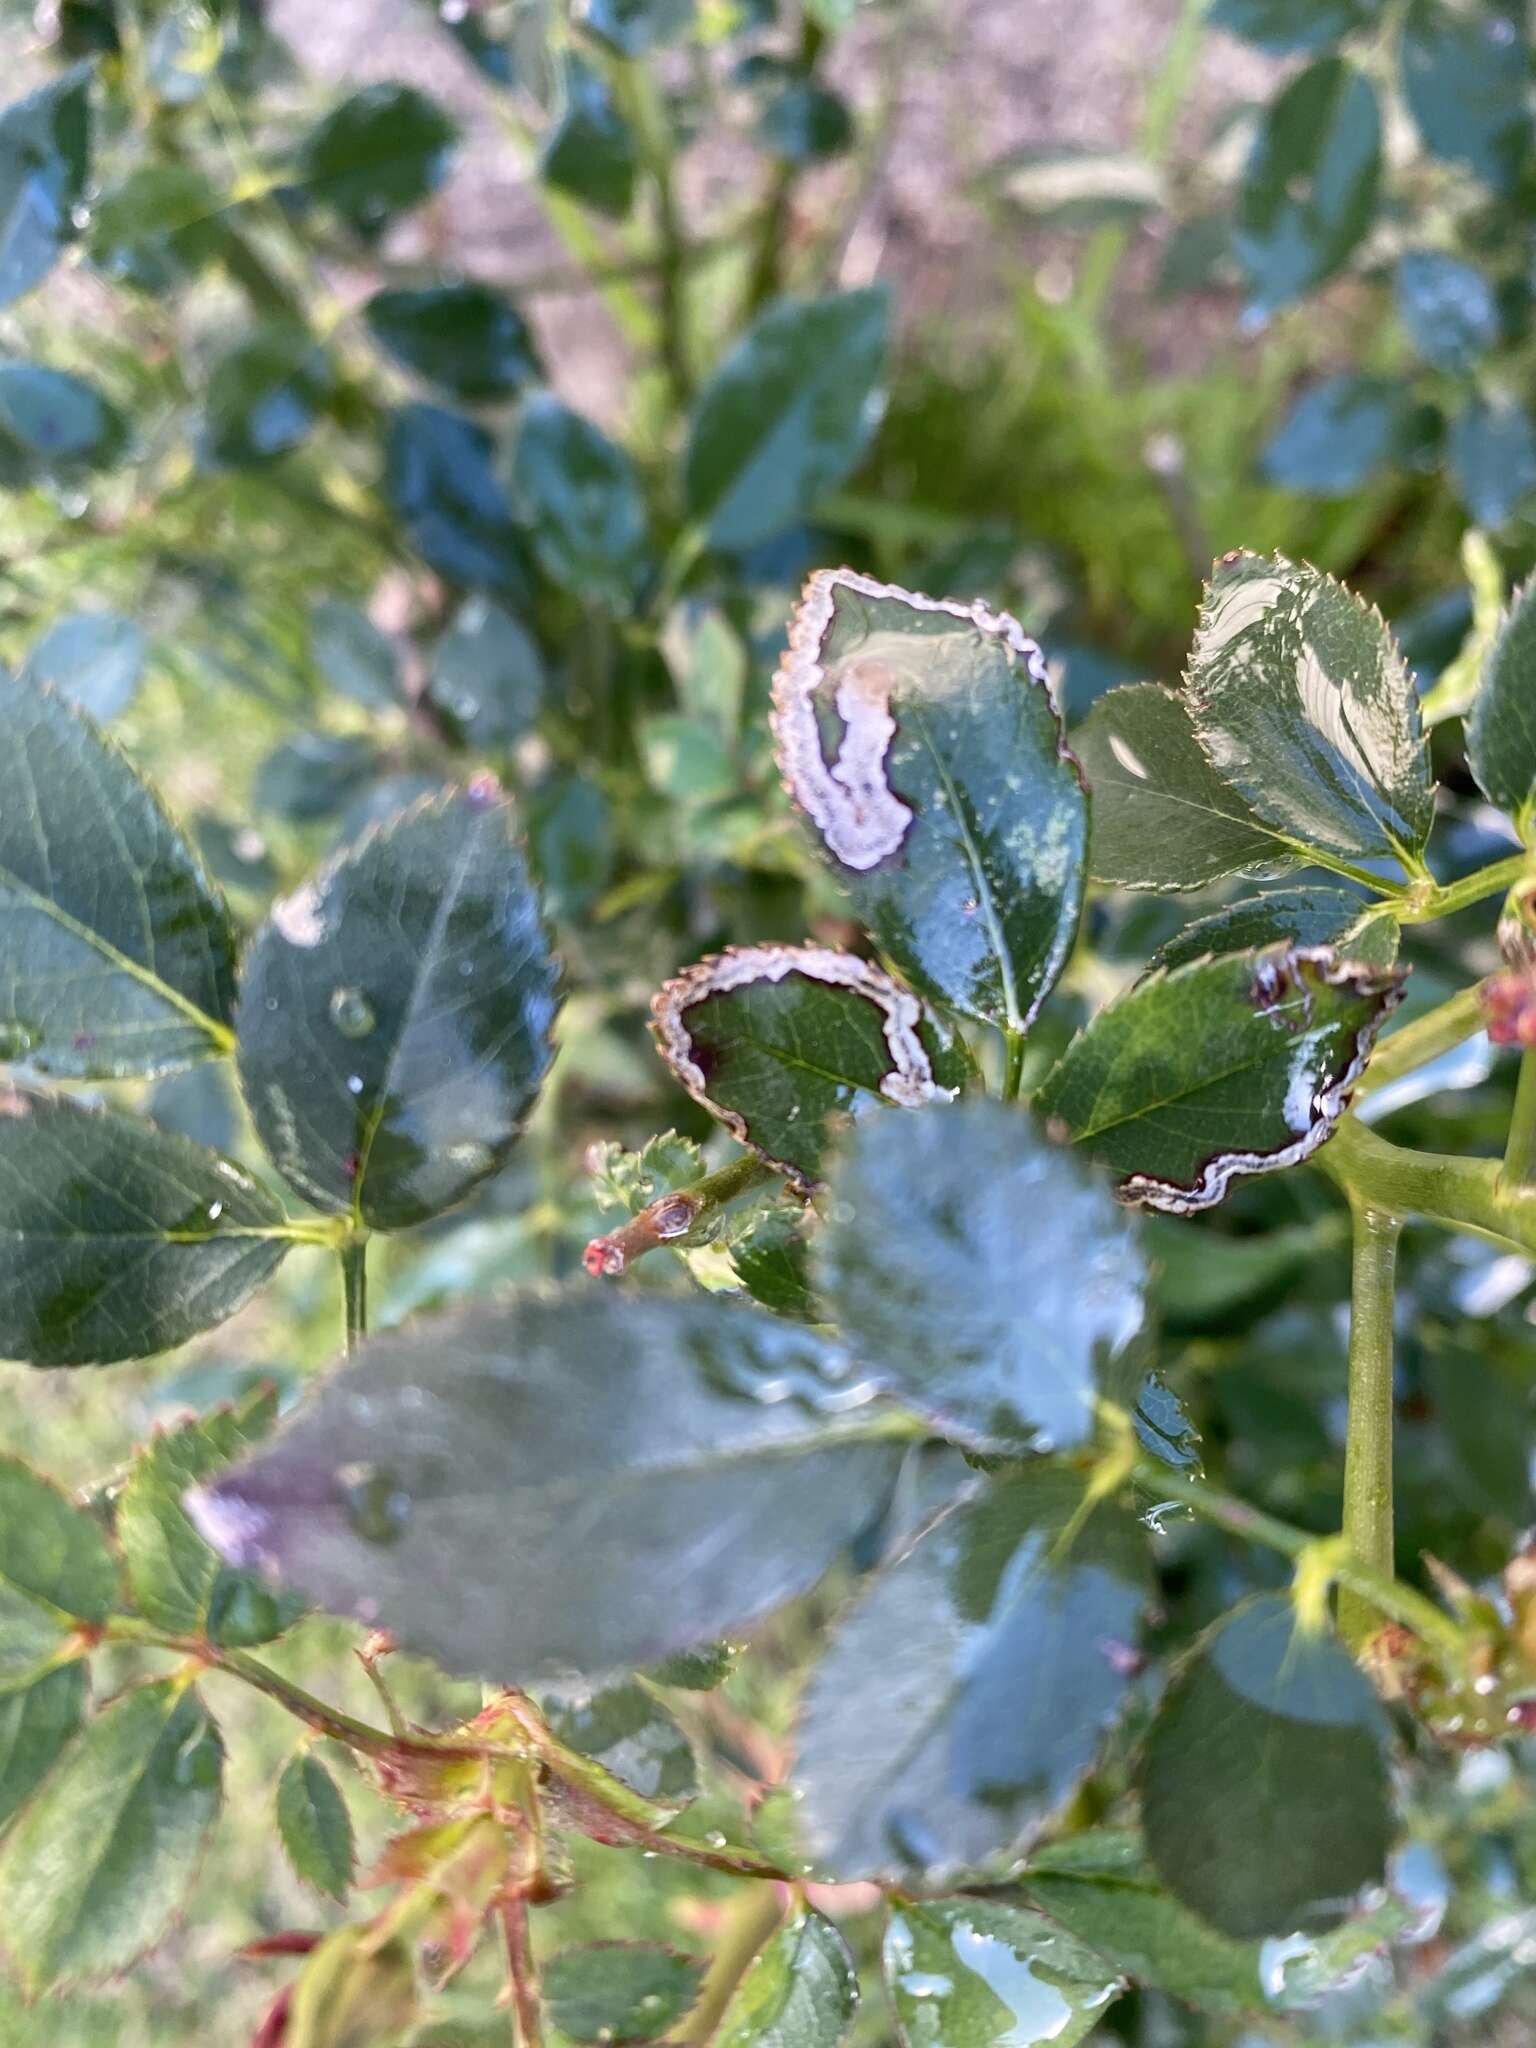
(1307, 916)
(921, 742)
(1220, 1068)
(377, 154)
(1309, 191)
(466, 338)
(1493, 458)
(787, 415)
(631, 1734)
(802, 1991)
(438, 1483)
(395, 1014)
(487, 675)
(990, 1975)
(36, 1723)
(772, 1262)
(1304, 703)
(1162, 818)
(1286, 27)
(777, 1040)
(157, 227)
(697, 1670)
(133, 1800)
(806, 123)
(1264, 1785)
(931, 1220)
(1336, 436)
(589, 153)
(264, 396)
(45, 146)
(1501, 731)
(632, 27)
(119, 1240)
(314, 1826)
(120, 953)
(1449, 309)
(1466, 80)
(968, 1690)
(54, 428)
(578, 494)
(619, 1990)
(439, 478)
(56, 1573)
(354, 656)
(353, 1991)
(314, 775)
(92, 659)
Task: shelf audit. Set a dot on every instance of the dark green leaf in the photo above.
(922, 743)
(355, 657)
(1309, 191)
(1162, 817)
(697, 1670)
(487, 675)
(802, 1991)
(264, 396)
(119, 1240)
(634, 26)
(1501, 731)
(1466, 78)
(932, 1219)
(619, 1991)
(437, 1485)
(54, 428)
(158, 227)
(1287, 26)
(133, 1800)
(1493, 458)
(1336, 436)
(467, 338)
(774, 1040)
(1304, 703)
(1221, 1068)
(968, 1690)
(1264, 1786)
(631, 1734)
(377, 154)
(55, 1572)
(589, 152)
(978, 1973)
(571, 826)
(439, 479)
(1306, 915)
(395, 1014)
(314, 775)
(806, 123)
(120, 954)
(45, 143)
(1448, 308)
(94, 659)
(579, 496)
(314, 1825)
(36, 1722)
(772, 1262)
(787, 414)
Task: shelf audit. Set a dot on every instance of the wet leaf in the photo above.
(395, 1014)
(1264, 1785)
(439, 478)
(487, 675)
(92, 659)
(579, 496)
(45, 147)
(1309, 191)
(1336, 436)
(314, 1826)
(1493, 458)
(54, 428)
(802, 1991)
(37, 1721)
(119, 1240)
(921, 742)
(135, 1798)
(465, 337)
(264, 396)
(55, 1573)
(377, 154)
(435, 1484)
(1501, 731)
(1304, 703)
(932, 1219)
(1217, 1069)
(619, 1990)
(990, 1975)
(1308, 915)
(1448, 308)
(967, 1691)
(1466, 79)
(1162, 818)
(774, 1040)
(354, 656)
(589, 153)
(787, 414)
(631, 1734)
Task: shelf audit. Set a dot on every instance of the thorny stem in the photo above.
(354, 1287)
(673, 1218)
(1368, 1524)
(522, 1972)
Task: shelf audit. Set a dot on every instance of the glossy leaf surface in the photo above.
(983, 1272)
(376, 154)
(466, 338)
(787, 414)
(1305, 916)
(921, 742)
(802, 1991)
(927, 1743)
(1264, 1785)
(978, 1973)
(44, 158)
(55, 1572)
(314, 1826)
(134, 1797)
(1466, 79)
(436, 1484)
(1501, 732)
(631, 1734)
(1309, 191)
(118, 1240)
(36, 1723)
(438, 476)
(1305, 705)
(579, 497)
(1218, 1069)
(395, 1014)
(487, 675)
(619, 1990)
(775, 1040)
(772, 1262)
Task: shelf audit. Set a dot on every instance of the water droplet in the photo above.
(354, 1084)
(271, 1002)
(378, 1507)
(352, 1014)
(18, 1039)
(215, 1211)
(715, 1838)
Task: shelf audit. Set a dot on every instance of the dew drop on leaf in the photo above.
(18, 1039)
(351, 1013)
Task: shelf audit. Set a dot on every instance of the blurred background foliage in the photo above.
(350, 439)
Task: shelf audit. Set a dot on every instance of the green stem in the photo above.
(1520, 1146)
(676, 1219)
(354, 1287)
(1368, 1522)
(1459, 1194)
(641, 104)
(1438, 1031)
(1013, 1064)
(1446, 900)
(755, 1918)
